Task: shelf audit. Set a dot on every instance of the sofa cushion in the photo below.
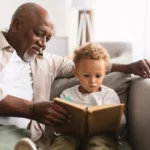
(60, 84)
(118, 81)
(124, 146)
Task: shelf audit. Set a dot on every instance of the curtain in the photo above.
(124, 20)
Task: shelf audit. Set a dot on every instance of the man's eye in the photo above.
(39, 33)
(86, 76)
(48, 38)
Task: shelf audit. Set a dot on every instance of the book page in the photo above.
(64, 102)
(78, 116)
(104, 119)
(98, 107)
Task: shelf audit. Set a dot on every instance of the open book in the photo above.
(92, 120)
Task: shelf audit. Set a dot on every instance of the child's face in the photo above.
(91, 74)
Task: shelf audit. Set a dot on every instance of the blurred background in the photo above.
(111, 20)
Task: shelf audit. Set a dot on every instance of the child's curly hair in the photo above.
(91, 50)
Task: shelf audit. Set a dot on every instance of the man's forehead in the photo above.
(37, 19)
(44, 23)
(33, 12)
(40, 20)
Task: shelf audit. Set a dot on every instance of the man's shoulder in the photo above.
(46, 56)
(3, 42)
(53, 57)
(58, 60)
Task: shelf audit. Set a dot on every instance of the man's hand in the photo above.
(50, 113)
(141, 68)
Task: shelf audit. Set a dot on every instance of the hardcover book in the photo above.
(92, 120)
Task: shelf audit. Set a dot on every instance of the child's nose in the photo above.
(93, 79)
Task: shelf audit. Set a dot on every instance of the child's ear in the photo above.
(74, 72)
(105, 71)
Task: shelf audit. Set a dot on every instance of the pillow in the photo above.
(118, 81)
(60, 84)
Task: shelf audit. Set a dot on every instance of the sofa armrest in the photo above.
(139, 114)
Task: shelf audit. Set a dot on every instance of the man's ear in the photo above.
(74, 72)
(16, 24)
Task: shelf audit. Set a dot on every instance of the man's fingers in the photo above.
(49, 123)
(61, 110)
(144, 69)
(59, 117)
(50, 113)
(143, 74)
(54, 119)
(147, 67)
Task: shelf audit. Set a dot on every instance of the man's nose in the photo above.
(42, 43)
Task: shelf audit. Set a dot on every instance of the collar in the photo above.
(4, 43)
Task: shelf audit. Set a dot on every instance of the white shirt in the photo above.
(16, 79)
(105, 96)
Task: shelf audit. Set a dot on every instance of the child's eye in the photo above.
(86, 75)
(98, 76)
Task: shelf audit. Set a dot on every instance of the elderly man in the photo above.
(26, 77)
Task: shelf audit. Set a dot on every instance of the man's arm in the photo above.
(141, 68)
(44, 112)
(16, 107)
(59, 66)
(121, 68)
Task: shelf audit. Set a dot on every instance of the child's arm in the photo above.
(65, 96)
(112, 98)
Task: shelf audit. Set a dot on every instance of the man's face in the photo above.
(32, 36)
(91, 74)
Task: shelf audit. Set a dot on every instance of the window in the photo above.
(124, 20)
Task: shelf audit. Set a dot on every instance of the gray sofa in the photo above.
(133, 91)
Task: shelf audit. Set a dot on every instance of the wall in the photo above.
(64, 15)
(65, 19)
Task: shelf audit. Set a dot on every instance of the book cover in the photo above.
(92, 120)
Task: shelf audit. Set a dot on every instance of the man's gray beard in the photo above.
(28, 58)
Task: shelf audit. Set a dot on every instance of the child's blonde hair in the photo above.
(91, 50)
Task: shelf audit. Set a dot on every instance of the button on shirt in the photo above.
(16, 80)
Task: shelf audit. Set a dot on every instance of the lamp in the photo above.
(85, 24)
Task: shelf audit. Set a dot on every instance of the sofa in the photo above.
(133, 91)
